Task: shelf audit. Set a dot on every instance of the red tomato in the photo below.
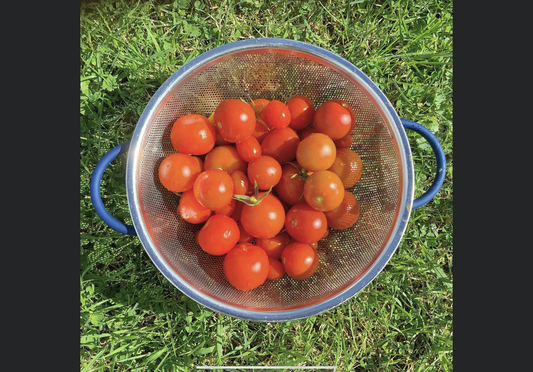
(219, 235)
(219, 141)
(177, 172)
(299, 260)
(245, 266)
(348, 166)
(261, 130)
(265, 219)
(240, 182)
(236, 215)
(316, 152)
(350, 110)
(264, 170)
(235, 120)
(281, 144)
(224, 157)
(306, 132)
(228, 209)
(191, 210)
(305, 224)
(313, 245)
(249, 149)
(345, 215)
(213, 188)
(302, 112)
(275, 269)
(323, 190)
(193, 134)
(275, 245)
(344, 142)
(244, 236)
(275, 115)
(333, 120)
(290, 190)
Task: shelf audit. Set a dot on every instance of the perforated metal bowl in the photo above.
(273, 69)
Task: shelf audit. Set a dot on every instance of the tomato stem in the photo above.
(254, 199)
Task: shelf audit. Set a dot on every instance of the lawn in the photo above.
(133, 319)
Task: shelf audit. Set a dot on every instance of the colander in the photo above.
(272, 68)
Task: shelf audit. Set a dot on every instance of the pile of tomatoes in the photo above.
(267, 180)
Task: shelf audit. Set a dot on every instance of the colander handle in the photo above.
(96, 180)
(439, 155)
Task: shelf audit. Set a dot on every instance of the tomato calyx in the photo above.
(257, 111)
(254, 199)
(302, 173)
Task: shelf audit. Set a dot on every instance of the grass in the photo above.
(133, 319)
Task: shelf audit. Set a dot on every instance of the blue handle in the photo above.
(441, 161)
(96, 198)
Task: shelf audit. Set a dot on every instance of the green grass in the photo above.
(133, 319)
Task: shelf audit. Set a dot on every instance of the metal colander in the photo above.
(273, 69)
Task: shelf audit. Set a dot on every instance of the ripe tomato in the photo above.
(306, 132)
(224, 157)
(249, 149)
(333, 120)
(228, 209)
(236, 215)
(213, 188)
(299, 260)
(323, 190)
(281, 144)
(244, 236)
(344, 142)
(177, 172)
(275, 115)
(265, 219)
(313, 245)
(305, 224)
(191, 210)
(348, 166)
(345, 214)
(219, 141)
(193, 134)
(240, 182)
(245, 266)
(219, 235)
(264, 170)
(275, 269)
(290, 190)
(316, 152)
(302, 112)
(275, 245)
(235, 120)
(261, 130)
(350, 110)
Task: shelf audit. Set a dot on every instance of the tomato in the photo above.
(236, 214)
(302, 112)
(275, 245)
(316, 152)
(305, 224)
(264, 170)
(213, 188)
(275, 115)
(290, 189)
(191, 210)
(235, 120)
(333, 120)
(219, 235)
(281, 144)
(313, 245)
(219, 141)
(348, 166)
(177, 172)
(193, 134)
(350, 110)
(261, 129)
(344, 142)
(323, 190)
(245, 266)
(244, 236)
(224, 157)
(228, 209)
(240, 182)
(265, 219)
(299, 260)
(249, 149)
(306, 132)
(275, 269)
(345, 215)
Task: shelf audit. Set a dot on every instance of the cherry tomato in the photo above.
(275, 269)
(305, 224)
(302, 112)
(306, 132)
(249, 149)
(191, 210)
(275, 115)
(275, 245)
(299, 260)
(193, 134)
(235, 120)
(323, 190)
(219, 141)
(281, 144)
(290, 189)
(316, 152)
(240, 182)
(348, 166)
(261, 129)
(219, 235)
(313, 245)
(236, 214)
(265, 219)
(213, 188)
(350, 110)
(177, 172)
(228, 209)
(345, 215)
(333, 120)
(224, 157)
(244, 236)
(264, 170)
(245, 266)
(344, 142)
